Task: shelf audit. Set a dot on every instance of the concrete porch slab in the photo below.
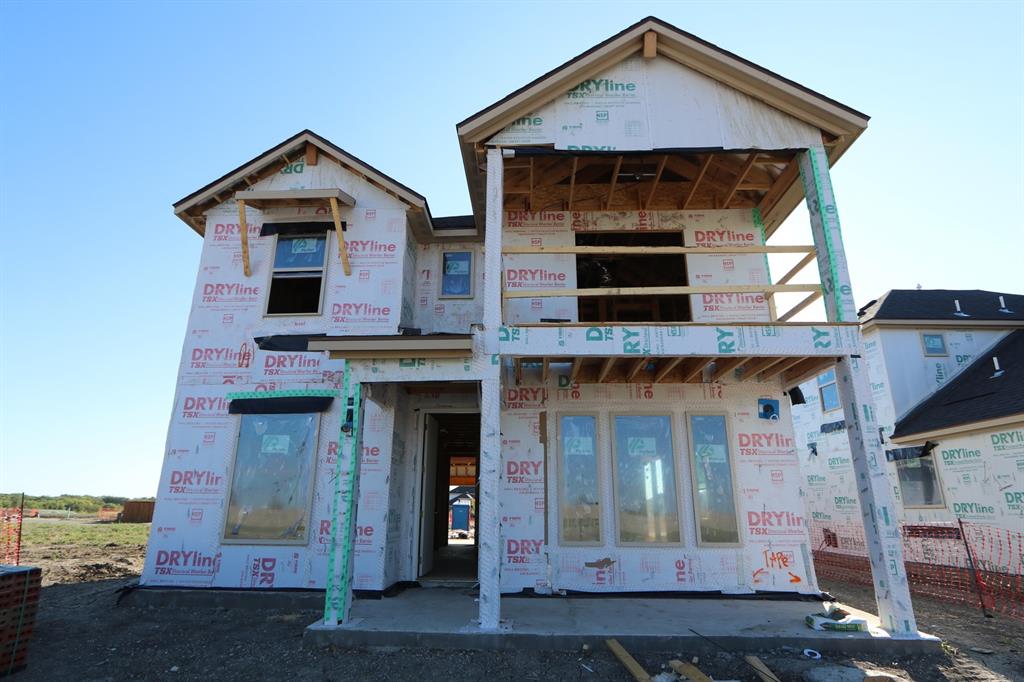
(444, 619)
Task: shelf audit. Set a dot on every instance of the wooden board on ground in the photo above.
(763, 671)
(689, 671)
(634, 668)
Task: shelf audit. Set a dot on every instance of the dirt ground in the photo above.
(82, 633)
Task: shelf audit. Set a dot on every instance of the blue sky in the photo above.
(112, 111)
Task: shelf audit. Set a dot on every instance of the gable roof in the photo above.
(977, 394)
(190, 208)
(842, 122)
(940, 305)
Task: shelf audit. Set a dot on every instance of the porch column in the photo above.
(881, 526)
(489, 528)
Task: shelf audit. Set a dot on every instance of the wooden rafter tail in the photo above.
(577, 365)
(572, 180)
(545, 368)
(638, 365)
(657, 179)
(606, 368)
(740, 177)
(696, 181)
(696, 370)
(611, 185)
(517, 364)
(725, 365)
(667, 365)
(243, 230)
(342, 246)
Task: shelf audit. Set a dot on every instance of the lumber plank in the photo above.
(688, 671)
(659, 250)
(635, 369)
(606, 367)
(342, 247)
(662, 291)
(667, 366)
(630, 663)
(243, 230)
(650, 45)
(696, 181)
(763, 671)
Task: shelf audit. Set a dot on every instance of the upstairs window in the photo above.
(297, 279)
(919, 483)
(457, 274)
(934, 345)
(829, 391)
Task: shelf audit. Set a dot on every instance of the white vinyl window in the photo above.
(271, 480)
(647, 503)
(934, 345)
(829, 391)
(714, 495)
(297, 279)
(919, 483)
(579, 483)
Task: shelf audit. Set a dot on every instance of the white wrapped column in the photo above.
(881, 524)
(489, 528)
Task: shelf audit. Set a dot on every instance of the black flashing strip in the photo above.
(291, 343)
(289, 229)
(293, 405)
(833, 427)
(903, 453)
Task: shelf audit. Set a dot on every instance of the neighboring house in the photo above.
(952, 422)
(600, 334)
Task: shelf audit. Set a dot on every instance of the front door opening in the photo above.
(448, 540)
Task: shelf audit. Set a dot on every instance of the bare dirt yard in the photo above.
(82, 633)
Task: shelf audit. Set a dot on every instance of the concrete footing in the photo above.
(446, 619)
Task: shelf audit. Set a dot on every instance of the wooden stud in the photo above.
(572, 180)
(638, 365)
(606, 367)
(763, 671)
(545, 367)
(688, 671)
(243, 230)
(725, 365)
(667, 366)
(650, 45)
(657, 179)
(577, 365)
(611, 186)
(529, 200)
(634, 668)
(342, 247)
(696, 181)
(517, 364)
(312, 154)
(739, 179)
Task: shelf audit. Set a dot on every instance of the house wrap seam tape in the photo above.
(331, 602)
(345, 584)
(296, 393)
(833, 273)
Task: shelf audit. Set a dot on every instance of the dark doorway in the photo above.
(448, 542)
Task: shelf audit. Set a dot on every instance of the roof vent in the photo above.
(1003, 308)
(959, 313)
(999, 372)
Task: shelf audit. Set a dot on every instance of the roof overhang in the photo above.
(942, 324)
(840, 124)
(959, 429)
(305, 145)
(385, 347)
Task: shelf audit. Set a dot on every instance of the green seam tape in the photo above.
(297, 393)
(826, 230)
(350, 506)
(331, 594)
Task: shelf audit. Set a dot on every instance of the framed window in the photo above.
(714, 496)
(829, 391)
(457, 274)
(297, 278)
(919, 483)
(579, 512)
(644, 472)
(272, 479)
(934, 344)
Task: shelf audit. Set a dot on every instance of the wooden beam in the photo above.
(342, 247)
(577, 365)
(696, 181)
(667, 365)
(650, 45)
(657, 179)
(763, 671)
(725, 365)
(615, 179)
(811, 298)
(311, 154)
(779, 187)
(688, 671)
(663, 291)
(750, 369)
(779, 368)
(572, 180)
(529, 201)
(243, 230)
(802, 371)
(517, 364)
(741, 175)
(797, 268)
(656, 250)
(544, 368)
(606, 367)
(634, 668)
(695, 370)
(638, 365)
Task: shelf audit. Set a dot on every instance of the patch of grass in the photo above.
(40, 533)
